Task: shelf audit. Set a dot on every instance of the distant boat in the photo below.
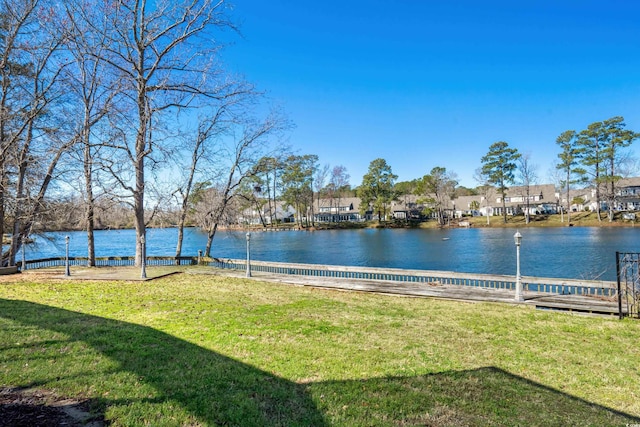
(445, 238)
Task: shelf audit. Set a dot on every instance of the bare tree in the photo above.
(93, 93)
(207, 130)
(241, 157)
(33, 137)
(437, 189)
(156, 51)
(16, 21)
(319, 180)
(338, 182)
(486, 190)
(527, 176)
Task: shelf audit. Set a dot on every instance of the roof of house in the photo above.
(629, 182)
(344, 202)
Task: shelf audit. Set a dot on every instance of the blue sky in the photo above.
(435, 83)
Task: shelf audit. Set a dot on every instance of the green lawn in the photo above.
(206, 350)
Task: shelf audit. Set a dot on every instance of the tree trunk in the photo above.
(597, 182)
(21, 202)
(612, 197)
(528, 207)
(37, 202)
(139, 220)
(271, 205)
(91, 245)
(138, 208)
(504, 211)
(140, 154)
(180, 235)
(504, 208)
(275, 201)
(568, 199)
(185, 205)
(3, 183)
(210, 236)
(598, 204)
(88, 178)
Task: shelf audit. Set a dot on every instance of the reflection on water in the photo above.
(575, 252)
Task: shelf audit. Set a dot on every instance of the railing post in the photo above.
(143, 256)
(620, 316)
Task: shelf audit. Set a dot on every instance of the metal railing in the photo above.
(533, 284)
(112, 261)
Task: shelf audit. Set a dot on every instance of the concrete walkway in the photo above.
(571, 303)
(540, 300)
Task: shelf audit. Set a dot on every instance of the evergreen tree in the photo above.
(499, 165)
(377, 186)
(569, 158)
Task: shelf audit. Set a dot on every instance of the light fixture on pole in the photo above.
(67, 271)
(518, 240)
(248, 255)
(143, 258)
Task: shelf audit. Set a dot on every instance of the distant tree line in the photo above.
(275, 182)
(597, 157)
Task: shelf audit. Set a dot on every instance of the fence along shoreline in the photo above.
(489, 281)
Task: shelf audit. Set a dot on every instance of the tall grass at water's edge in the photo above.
(207, 350)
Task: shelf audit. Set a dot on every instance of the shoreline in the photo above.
(582, 219)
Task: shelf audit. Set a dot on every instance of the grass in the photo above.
(578, 219)
(209, 350)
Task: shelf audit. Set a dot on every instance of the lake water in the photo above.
(567, 252)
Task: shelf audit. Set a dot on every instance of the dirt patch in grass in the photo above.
(34, 407)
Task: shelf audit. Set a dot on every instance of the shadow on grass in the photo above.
(480, 397)
(217, 390)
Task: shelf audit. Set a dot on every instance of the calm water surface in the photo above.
(576, 252)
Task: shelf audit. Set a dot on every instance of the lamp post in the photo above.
(248, 255)
(67, 271)
(518, 240)
(143, 260)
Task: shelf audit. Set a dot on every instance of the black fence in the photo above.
(628, 273)
(112, 261)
